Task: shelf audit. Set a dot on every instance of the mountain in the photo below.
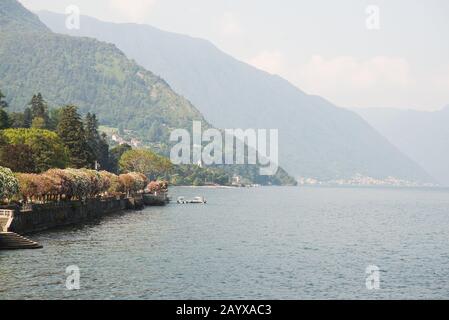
(97, 77)
(423, 136)
(317, 139)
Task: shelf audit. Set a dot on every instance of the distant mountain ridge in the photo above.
(317, 139)
(423, 136)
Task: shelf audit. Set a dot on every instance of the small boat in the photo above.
(182, 200)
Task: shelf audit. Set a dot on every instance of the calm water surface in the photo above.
(262, 243)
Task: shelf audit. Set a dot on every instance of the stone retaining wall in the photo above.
(51, 215)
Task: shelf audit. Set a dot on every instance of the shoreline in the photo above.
(43, 217)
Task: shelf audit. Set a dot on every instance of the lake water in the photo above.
(260, 243)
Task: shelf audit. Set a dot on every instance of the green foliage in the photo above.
(27, 118)
(115, 154)
(71, 131)
(97, 142)
(194, 175)
(13, 16)
(3, 141)
(38, 123)
(55, 116)
(47, 147)
(83, 141)
(19, 158)
(146, 162)
(3, 103)
(250, 175)
(16, 120)
(95, 76)
(9, 186)
(4, 119)
(39, 112)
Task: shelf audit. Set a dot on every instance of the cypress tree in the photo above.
(27, 118)
(3, 103)
(97, 142)
(92, 136)
(72, 133)
(104, 153)
(4, 119)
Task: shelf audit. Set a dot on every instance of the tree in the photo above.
(19, 158)
(3, 103)
(38, 123)
(103, 152)
(27, 118)
(9, 186)
(48, 149)
(4, 119)
(3, 141)
(55, 116)
(71, 131)
(92, 137)
(146, 162)
(39, 110)
(97, 142)
(16, 120)
(115, 154)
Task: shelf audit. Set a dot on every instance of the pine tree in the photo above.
(96, 141)
(39, 109)
(72, 133)
(4, 119)
(27, 118)
(103, 158)
(3, 103)
(92, 136)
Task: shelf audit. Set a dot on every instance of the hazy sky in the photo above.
(337, 49)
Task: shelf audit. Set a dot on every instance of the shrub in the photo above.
(157, 186)
(77, 183)
(9, 185)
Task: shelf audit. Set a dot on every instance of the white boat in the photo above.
(182, 200)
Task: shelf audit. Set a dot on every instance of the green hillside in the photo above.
(93, 75)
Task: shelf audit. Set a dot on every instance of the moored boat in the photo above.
(183, 200)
